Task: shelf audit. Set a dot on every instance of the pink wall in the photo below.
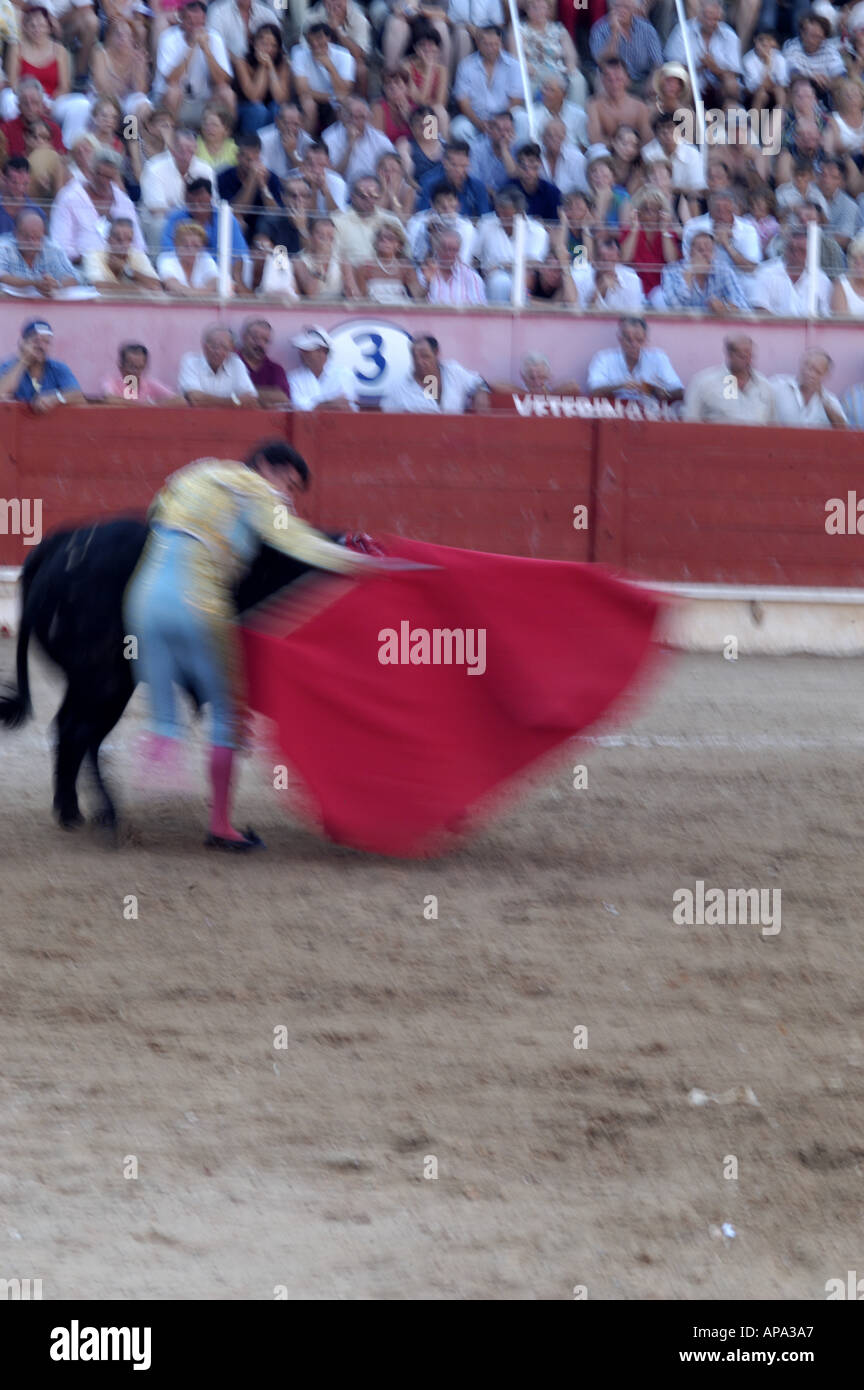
(491, 341)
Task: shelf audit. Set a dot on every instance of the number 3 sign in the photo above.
(378, 353)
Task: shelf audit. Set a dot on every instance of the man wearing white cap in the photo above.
(35, 377)
(319, 384)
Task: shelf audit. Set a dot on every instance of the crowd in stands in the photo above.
(633, 378)
(385, 152)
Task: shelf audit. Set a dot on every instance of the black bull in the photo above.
(71, 601)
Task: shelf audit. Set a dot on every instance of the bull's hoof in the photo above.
(106, 818)
(69, 818)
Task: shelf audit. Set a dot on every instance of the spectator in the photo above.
(686, 160)
(607, 284)
(487, 81)
(435, 386)
(563, 163)
(391, 114)
(613, 106)
(192, 67)
(121, 268)
(329, 190)
(853, 407)
(845, 134)
(576, 217)
(448, 278)
(814, 53)
(428, 86)
(491, 160)
(716, 53)
(399, 33)
(736, 238)
(551, 282)
(732, 395)
(843, 216)
(130, 386)
(443, 212)
(36, 378)
(352, 29)
(493, 247)
(163, 182)
(703, 281)
(319, 270)
(542, 198)
(47, 170)
(14, 187)
(82, 212)
(624, 34)
(814, 209)
(671, 84)
(217, 148)
(397, 193)
(216, 375)
(32, 110)
(535, 374)
(627, 166)
(199, 208)
(284, 145)
(238, 23)
(262, 77)
(633, 371)
(29, 261)
(324, 75)
(652, 242)
(473, 198)
(319, 384)
(272, 270)
(426, 150)
(39, 56)
(783, 286)
(610, 200)
(847, 294)
(189, 271)
(356, 228)
(119, 69)
(549, 48)
(268, 377)
(289, 229)
(761, 209)
(250, 188)
(353, 143)
(391, 278)
(802, 401)
(765, 72)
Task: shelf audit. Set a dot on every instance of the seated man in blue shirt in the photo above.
(250, 188)
(542, 198)
(473, 198)
(199, 208)
(35, 377)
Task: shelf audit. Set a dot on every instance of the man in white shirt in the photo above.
(607, 284)
(802, 401)
(356, 228)
(563, 162)
(77, 226)
(284, 145)
(731, 395)
(435, 387)
(319, 384)
(739, 240)
(329, 190)
(486, 82)
(163, 183)
(235, 21)
(782, 286)
(192, 67)
(216, 375)
(494, 241)
(443, 212)
(353, 144)
(688, 175)
(716, 52)
(553, 102)
(633, 371)
(324, 75)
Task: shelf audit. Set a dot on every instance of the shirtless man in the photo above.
(614, 106)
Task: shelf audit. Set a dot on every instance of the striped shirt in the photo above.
(721, 283)
(50, 260)
(463, 287)
(641, 53)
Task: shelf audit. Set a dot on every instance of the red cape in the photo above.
(395, 758)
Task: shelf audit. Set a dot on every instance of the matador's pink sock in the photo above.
(221, 768)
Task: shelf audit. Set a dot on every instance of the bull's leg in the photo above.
(73, 732)
(104, 719)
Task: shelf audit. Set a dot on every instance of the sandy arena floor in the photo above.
(409, 1039)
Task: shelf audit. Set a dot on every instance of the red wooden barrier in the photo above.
(665, 501)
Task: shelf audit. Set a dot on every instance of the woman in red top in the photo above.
(651, 243)
(427, 75)
(37, 55)
(392, 112)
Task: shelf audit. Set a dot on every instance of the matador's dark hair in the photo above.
(279, 455)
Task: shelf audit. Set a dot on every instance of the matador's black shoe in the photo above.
(250, 841)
